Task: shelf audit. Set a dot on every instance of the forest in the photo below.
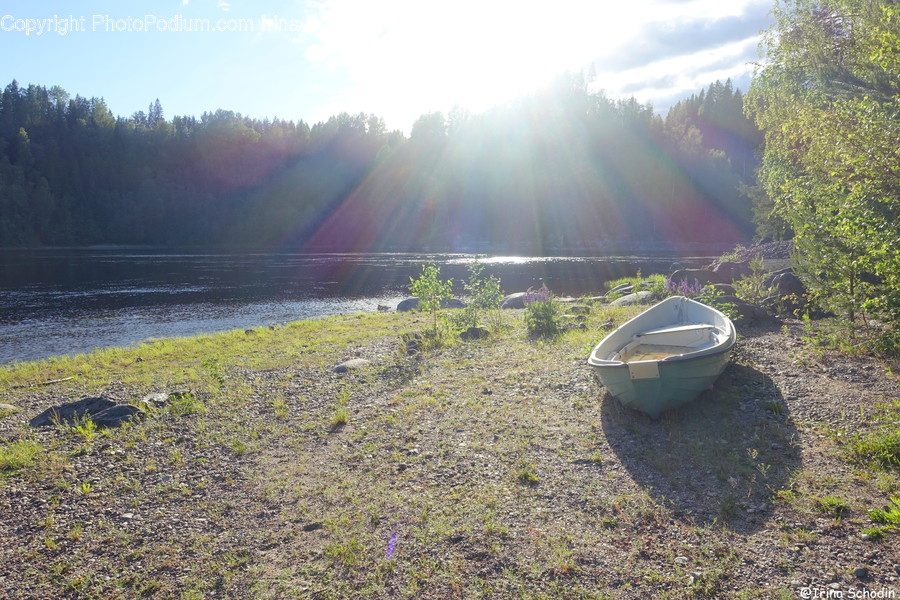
(563, 170)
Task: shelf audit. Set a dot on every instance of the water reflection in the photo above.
(63, 302)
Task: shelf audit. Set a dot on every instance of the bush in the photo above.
(541, 313)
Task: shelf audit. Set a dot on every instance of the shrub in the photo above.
(541, 313)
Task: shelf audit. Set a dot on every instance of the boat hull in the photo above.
(655, 386)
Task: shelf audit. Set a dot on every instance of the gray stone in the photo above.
(70, 412)
(516, 300)
(622, 288)
(632, 299)
(157, 400)
(354, 364)
(474, 333)
(413, 304)
(861, 573)
(681, 560)
(114, 416)
(732, 270)
(408, 304)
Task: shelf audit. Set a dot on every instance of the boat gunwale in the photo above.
(718, 349)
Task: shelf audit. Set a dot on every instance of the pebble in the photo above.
(861, 572)
(681, 560)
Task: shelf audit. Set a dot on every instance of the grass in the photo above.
(19, 454)
(495, 469)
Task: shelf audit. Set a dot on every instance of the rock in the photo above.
(453, 303)
(632, 299)
(580, 309)
(474, 333)
(382, 308)
(703, 276)
(747, 313)
(412, 342)
(726, 289)
(732, 271)
(354, 364)
(413, 304)
(516, 300)
(71, 411)
(695, 578)
(622, 288)
(157, 400)
(681, 560)
(114, 416)
(861, 573)
(408, 305)
(607, 325)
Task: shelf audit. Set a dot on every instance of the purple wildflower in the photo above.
(392, 542)
(532, 295)
(683, 288)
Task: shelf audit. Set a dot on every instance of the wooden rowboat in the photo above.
(666, 356)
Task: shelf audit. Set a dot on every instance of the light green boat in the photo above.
(666, 356)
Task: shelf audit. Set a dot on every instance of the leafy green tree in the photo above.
(826, 96)
(430, 291)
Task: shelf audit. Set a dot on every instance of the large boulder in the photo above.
(413, 304)
(71, 412)
(732, 271)
(632, 299)
(516, 300)
(786, 283)
(114, 416)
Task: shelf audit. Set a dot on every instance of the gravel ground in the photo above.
(495, 469)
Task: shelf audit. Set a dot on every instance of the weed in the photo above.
(832, 506)
(875, 534)
(214, 370)
(889, 515)
(86, 429)
(339, 418)
(527, 477)
(19, 454)
(86, 488)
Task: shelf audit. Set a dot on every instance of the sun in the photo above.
(407, 57)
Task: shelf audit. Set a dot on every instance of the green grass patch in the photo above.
(19, 454)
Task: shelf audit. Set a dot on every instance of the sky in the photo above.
(398, 59)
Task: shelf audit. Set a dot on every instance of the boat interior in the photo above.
(667, 342)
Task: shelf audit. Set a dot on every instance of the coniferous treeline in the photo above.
(560, 170)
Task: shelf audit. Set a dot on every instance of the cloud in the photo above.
(412, 57)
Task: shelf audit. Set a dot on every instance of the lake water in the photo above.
(72, 301)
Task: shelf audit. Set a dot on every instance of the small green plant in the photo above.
(541, 312)
(86, 488)
(875, 534)
(484, 296)
(86, 429)
(19, 454)
(832, 506)
(527, 477)
(214, 370)
(430, 291)
(889, 515)
(340, 417)
(752, 287)
(882, 446)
